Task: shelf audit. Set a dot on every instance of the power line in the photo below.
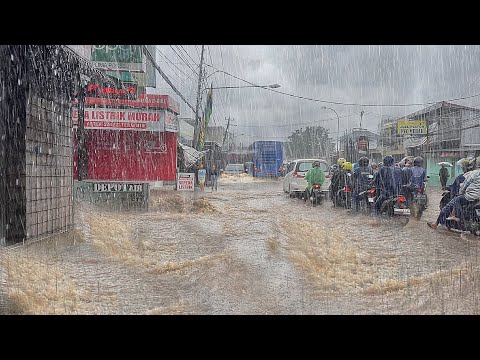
(188, 76)
(473, 82)
(220, 102)
(337, 102)
(154, 63)
(185, 51)
(198, 54)
(313, 122)
(182, 57)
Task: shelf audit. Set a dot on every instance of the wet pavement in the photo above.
(246, 249)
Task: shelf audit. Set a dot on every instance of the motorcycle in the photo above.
(316, 195)
(367, 197)
(469, 221)
(343, 196)
(419, 200)
(395, 205)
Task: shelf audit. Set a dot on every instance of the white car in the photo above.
(234, 169)
(294, 182)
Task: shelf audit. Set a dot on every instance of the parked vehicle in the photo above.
(268, 158)
(294, 182)
(234, 169)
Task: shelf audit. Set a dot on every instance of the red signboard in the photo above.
(144, 101)
(123, 119)
(362, 143)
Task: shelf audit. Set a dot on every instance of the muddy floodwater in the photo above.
(246, 249)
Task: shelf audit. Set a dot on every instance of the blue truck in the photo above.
(268, 158)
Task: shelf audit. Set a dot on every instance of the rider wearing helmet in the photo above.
(361, 180)
(415, 178)
(342, 180)
(388, 180)
(348, 166)
(313, 176)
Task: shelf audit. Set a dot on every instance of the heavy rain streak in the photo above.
(212, 179)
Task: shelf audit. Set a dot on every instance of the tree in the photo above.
(313, 142)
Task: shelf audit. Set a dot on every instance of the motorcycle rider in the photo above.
(388, 180)
(355, 166)
(361, 182)
(348, 171)
(415, 178)
(313, 176)
(336, 179)
(455, 187)
(346, 181)
(407, 171)
(469, 191)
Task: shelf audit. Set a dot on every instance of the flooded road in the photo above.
(246, 249)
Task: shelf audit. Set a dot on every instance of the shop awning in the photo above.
(190, 155)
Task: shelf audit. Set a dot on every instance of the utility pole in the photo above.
(361, 117)
(226, 131)
(197, 122)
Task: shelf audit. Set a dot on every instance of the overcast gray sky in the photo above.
(359, 74)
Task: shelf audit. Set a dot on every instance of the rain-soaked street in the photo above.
(246, 249)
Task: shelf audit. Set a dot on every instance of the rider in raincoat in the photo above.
(313, 176)
(388, 180)
(361, 180)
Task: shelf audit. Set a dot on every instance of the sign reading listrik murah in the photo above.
(122, 119)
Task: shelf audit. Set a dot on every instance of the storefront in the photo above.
(130, 139)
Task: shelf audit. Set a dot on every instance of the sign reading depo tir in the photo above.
(186, 181)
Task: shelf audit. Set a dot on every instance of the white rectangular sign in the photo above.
(186, 181)
(122, 119)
